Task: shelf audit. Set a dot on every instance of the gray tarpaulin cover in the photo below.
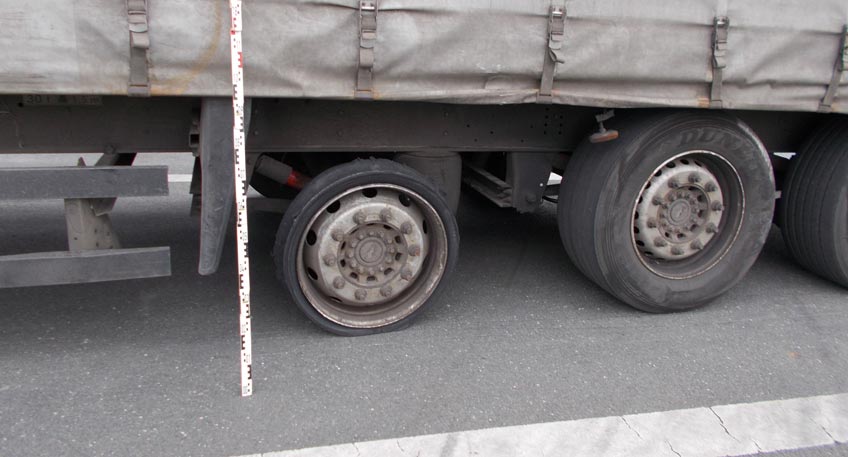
(781, 54)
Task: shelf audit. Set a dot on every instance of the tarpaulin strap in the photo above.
(139, 84)
(554, 53)
(367, 40)
(720, 32)
(838, 70)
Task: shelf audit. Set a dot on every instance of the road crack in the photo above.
(672, 448)
(630, 427)
(824, 430)
(721, 422)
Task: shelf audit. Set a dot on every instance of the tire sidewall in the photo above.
(321, 192)
(619, 262)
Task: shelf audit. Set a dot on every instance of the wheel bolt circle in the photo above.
(652, 223)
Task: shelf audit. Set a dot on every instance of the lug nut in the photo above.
(674, 183)
(381, 268)
(338, 235)
(349, 253)
(656, 201)
(710, 187)
(385, 215)
(361, 270)
(652, 223)
(329, 260)
(386, 291)
(390, 260)
(359, 217)
(360, 236)
(371, 272)
(717, 206)
(660, 243)
(406, 274)
(406, 228)
(677, 250)
(339, 282)
(711, 228)
(354, 243)
(392, 249)
(697, 245)
(361, 294)
(414, 250)
(372, 233)
(694, 178)
(354, 263)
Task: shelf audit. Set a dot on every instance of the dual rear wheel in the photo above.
(672, 214)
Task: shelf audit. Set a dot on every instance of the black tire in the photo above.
(601, 193)
(320, 196)
(814, 207)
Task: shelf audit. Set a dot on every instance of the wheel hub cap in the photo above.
(679, 211)
(368, 252)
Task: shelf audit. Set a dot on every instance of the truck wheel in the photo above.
(814, 207)
(364, 247)
(673, 213)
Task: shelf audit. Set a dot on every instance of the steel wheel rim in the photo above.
(372, 255)
(688, 214)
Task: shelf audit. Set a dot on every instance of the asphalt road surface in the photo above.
(519, 336)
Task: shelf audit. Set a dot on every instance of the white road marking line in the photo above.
(179, 178)
(728, 430)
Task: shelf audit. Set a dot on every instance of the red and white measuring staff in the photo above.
(241, 199)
